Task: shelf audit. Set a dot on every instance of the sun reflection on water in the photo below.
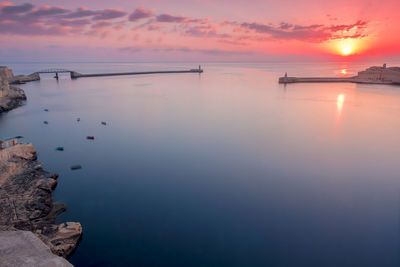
(339, 106)
(339, 103)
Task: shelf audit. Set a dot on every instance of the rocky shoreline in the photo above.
(10, 96)
(13, 100)
(26, 191)
(26, 203)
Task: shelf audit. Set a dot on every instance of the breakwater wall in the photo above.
(75, 75)
(316, 79)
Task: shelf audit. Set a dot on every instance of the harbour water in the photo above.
(224, 168)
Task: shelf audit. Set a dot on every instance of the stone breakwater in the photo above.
(10, 96)
(26, 200)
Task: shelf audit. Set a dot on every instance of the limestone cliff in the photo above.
(10, 96)
(25, 200)
(6, 73)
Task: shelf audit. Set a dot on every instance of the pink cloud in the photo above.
(140, 13)
(310, 33)
(108, 14)
(10, 9)
(170, 18)
(83, 24)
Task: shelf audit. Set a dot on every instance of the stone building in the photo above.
(380, 74)
(8, 142)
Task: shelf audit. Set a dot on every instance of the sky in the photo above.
(198, 30)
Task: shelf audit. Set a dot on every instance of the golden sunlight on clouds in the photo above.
(349, 46)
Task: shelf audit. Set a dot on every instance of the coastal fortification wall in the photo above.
(372, 75)
(380, 74)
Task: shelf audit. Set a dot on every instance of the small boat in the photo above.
(90, 137)
(76, 167)
(46, 110)
(104, 123)
(60, 148)
(78, 119)
(45, 122)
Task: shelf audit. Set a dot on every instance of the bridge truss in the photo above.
(55, 71)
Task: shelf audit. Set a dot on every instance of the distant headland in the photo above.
(372, 75)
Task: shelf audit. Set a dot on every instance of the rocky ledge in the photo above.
(26, 203)
(13, 99)
(24, 249)
(21, 79)
(10, 96)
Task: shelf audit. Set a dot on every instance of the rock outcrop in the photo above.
(6, 73)
(21, 79)
(25, 200)
(24, 249)
(10, 96)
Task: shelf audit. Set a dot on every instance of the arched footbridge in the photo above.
(56, 71)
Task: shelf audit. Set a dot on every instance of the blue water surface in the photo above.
(226, 168)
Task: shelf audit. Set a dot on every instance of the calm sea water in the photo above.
(226, 168)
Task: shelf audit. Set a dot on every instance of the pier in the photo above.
(75, 75)
(21, 79)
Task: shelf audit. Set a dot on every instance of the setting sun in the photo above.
(346, 50)
(347, 47)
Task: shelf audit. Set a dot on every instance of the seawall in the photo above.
(316, 79)
(75, 75)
